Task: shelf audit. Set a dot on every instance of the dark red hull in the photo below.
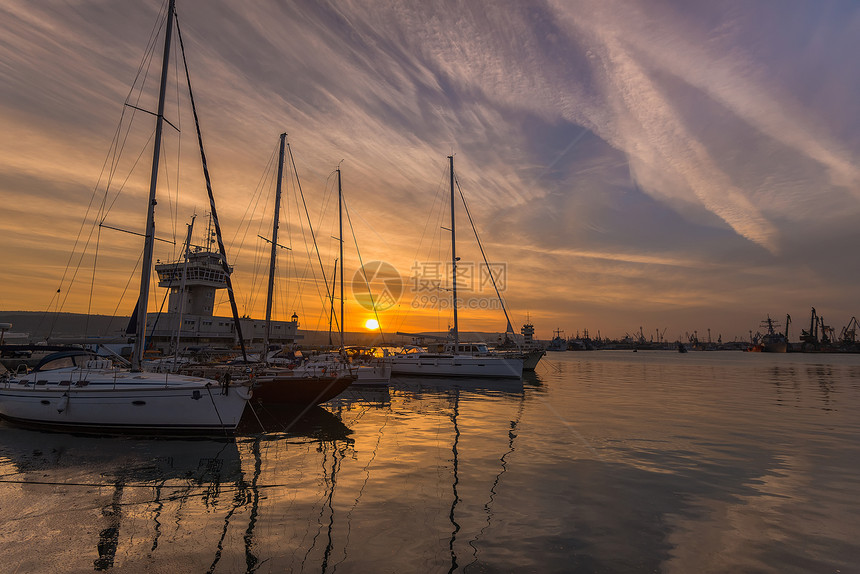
(297, 390)
(276, 386)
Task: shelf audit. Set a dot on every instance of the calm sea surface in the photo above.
(608, 461)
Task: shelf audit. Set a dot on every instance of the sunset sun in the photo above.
(371, 324)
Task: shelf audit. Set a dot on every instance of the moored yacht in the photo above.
(292, 381)
(530, 352)
(369, 365)
(453, 358)
(75, 390)
(456, 360)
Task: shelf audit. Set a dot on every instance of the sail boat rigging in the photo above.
(214, 213)
(361, 363)
(296, 384)
(340, 242)
(274, 379)
(530, 353)
(182, 288)
(455, 302)
(454, 359)
(72, 389)
(331, 300)
(146, 267)
(274, 254)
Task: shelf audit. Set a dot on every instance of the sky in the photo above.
(675, 166)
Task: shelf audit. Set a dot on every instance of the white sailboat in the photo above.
(368, 368)
(299, 384)
(276, 377)
(472, 360)
(74, 390)
(456, 359)
(363, 364)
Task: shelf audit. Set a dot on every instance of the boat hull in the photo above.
(105, 407)
(456, 366)
(373, 374)
(294, 389)
(304, 385)
(532, 358)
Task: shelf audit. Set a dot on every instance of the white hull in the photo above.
(434, 365)
(373, 374)
(532, 358)
(376, 371)
(114, 400)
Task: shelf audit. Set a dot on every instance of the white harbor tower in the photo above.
(191, 305)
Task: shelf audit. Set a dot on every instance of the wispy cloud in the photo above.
(607, 138)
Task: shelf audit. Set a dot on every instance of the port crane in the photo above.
(849, 332)
(819, 332)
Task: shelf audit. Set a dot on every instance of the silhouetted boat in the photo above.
(558, 342)
(773, 341)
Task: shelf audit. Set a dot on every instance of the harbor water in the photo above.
(605, 461)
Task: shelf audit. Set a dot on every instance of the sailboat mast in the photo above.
(146, 268)
(271, 291)
(340, 234)
(454, 258)
(182, 284)
(331, 300)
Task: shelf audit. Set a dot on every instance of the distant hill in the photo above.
(39, 325)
